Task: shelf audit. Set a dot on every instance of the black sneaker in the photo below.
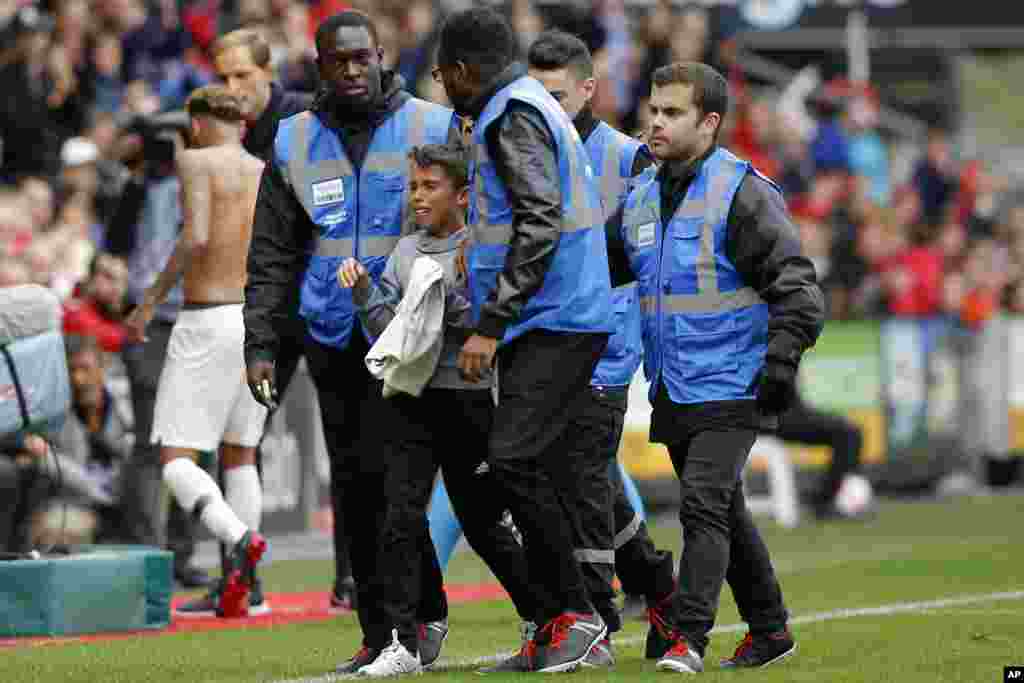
(565, 641)
(234, 599)
(431, 638)
(761, 650)
(521, 661)
(662, 632)
(343, 595)
(209, 604)
(364, 656)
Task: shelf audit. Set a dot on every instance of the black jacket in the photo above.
(764, 246)
(523, 151)
(282, 231)
(259, 137)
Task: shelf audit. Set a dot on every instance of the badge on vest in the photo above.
(645, 235)
(328, 192)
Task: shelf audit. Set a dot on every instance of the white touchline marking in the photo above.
(816, 617)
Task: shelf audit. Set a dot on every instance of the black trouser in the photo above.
(720, 539)
(642, 568)
(444, 428)
(805, 424)
(544, 380)
(142, 493)
(613, 539)
(350, 408)
(592, 501)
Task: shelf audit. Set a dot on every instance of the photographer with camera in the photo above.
(144, 231)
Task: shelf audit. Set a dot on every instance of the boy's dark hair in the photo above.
(481, 38)
(560, 50)
(451, 158)
(347, 18)
(710, 89)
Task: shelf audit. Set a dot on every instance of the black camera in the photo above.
(158, 133)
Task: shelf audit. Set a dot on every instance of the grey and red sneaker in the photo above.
(601, 656)
(565, 641)
(521, 661)
(234, 599)
(681, 659)
(761, 650)
(353, 664)
(430, 639)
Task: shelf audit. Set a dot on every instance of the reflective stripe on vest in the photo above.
(576, 296)
(299, 167)
(704, 329)
(360, 214)
(617, 154)
(612, 155)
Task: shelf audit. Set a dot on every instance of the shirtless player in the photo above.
(203, 401)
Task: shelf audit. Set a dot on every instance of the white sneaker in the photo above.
(394, 660)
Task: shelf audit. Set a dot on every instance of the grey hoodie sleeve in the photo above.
(378, 303)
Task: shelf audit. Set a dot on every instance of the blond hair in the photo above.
(259, 48)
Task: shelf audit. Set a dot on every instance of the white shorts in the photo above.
(203, 399)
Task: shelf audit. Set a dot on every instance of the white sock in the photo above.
(189, 483)
(244, 494)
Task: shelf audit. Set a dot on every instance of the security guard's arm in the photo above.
(523, 151)
(618, 261)
(281, 232)
(764, 246)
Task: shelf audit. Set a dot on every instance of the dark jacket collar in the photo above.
(267, 122)
(586, 122)
(676, 171)
(392, 97)
(512, 72)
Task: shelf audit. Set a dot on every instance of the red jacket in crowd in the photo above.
(81, 316)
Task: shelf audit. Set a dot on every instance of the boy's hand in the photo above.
(352, 274)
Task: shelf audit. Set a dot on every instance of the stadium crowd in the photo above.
(89, 203)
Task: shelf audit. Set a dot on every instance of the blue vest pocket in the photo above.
(685, 245)
(322, 300)
(704, 344)
(386, 197)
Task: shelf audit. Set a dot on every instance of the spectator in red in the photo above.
(913, 278)
(97, 309)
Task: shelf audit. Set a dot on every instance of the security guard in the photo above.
(334, 188)
(539, 287)
(611, 536)
(729, 304)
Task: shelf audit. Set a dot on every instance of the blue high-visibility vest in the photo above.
(705, 332)
(358, 213)
(612, 155)
(576, 294)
